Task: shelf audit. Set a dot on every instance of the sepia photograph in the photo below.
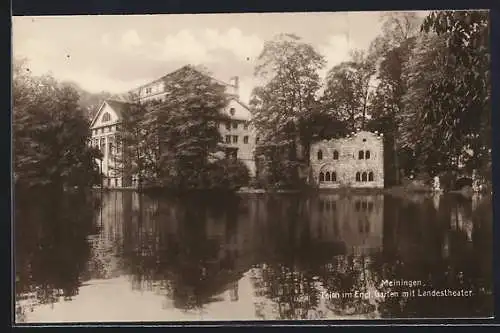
(243, 167)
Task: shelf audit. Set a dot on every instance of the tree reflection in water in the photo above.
(51, 249)
(292, 251)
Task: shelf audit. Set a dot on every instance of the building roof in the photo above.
(118, 107)
(190, 67)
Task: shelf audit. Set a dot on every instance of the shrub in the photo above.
(227, 174)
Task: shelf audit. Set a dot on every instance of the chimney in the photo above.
(235, 83)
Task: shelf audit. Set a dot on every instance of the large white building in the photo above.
(238, 135)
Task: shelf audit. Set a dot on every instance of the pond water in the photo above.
(124, 256)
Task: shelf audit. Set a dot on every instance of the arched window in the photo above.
(335, 155)
(361, 155)
(370, 176)
(320, 155)
(106, 117)
(367, 155)
(321, 177)
(358, 177)
(334, 177)
(364, 176)
(327, 176)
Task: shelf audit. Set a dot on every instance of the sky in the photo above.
(119, 53)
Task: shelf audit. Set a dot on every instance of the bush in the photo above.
(227, 174)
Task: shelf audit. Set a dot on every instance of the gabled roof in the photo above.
(118, 106)
(186, 67)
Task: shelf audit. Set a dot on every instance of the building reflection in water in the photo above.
(286, 257)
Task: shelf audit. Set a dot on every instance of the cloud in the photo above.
(185, 46)
(131, 39)
(336, 50)
(204, 46)
(235, 41)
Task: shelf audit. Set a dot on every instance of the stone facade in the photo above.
(354, 161)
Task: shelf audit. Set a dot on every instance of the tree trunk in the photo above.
(396, 155)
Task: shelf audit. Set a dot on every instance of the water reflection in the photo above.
(327, 256)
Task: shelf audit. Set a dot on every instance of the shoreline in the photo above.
(394, 191)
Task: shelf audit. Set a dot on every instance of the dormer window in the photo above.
(232, 111)
(320, 155)
(335, 155)
(106, 117)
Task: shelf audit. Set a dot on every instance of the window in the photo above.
(364, 140)
(361, 155)
(367, 155)
(321, 177)
(148, 90)
(245, 125)
(335, 155)
(106, 117)
(110, 148)
(370, 206)
(245, 139)
(235, 139)
(232, 111)
(364, 205)
(228, 138)
(364, 177)
(357, 205)
(228, 126)
(235, 125)
(358, 177)
(327, 176)
(334, 177)
(320, 155)
(116, 182)
(370, 176)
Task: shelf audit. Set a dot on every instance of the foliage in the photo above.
(50, 133)
(447, 105)
(90, 102)
(183, 129)
(347, 91)
(226, 174)
(392, 50)
(289, 69)
(130, 156)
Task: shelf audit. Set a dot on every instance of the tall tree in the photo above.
(50, 133)
(447, 105)
(185, 127)
(348, 89)
(392, 50)
(289, 69)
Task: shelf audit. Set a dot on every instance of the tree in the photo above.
(392, 50)
(447, 105)
(289, 69)
(133, 149)
(348, 87)
(466, 36)
(184, 127)
(50, 133)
